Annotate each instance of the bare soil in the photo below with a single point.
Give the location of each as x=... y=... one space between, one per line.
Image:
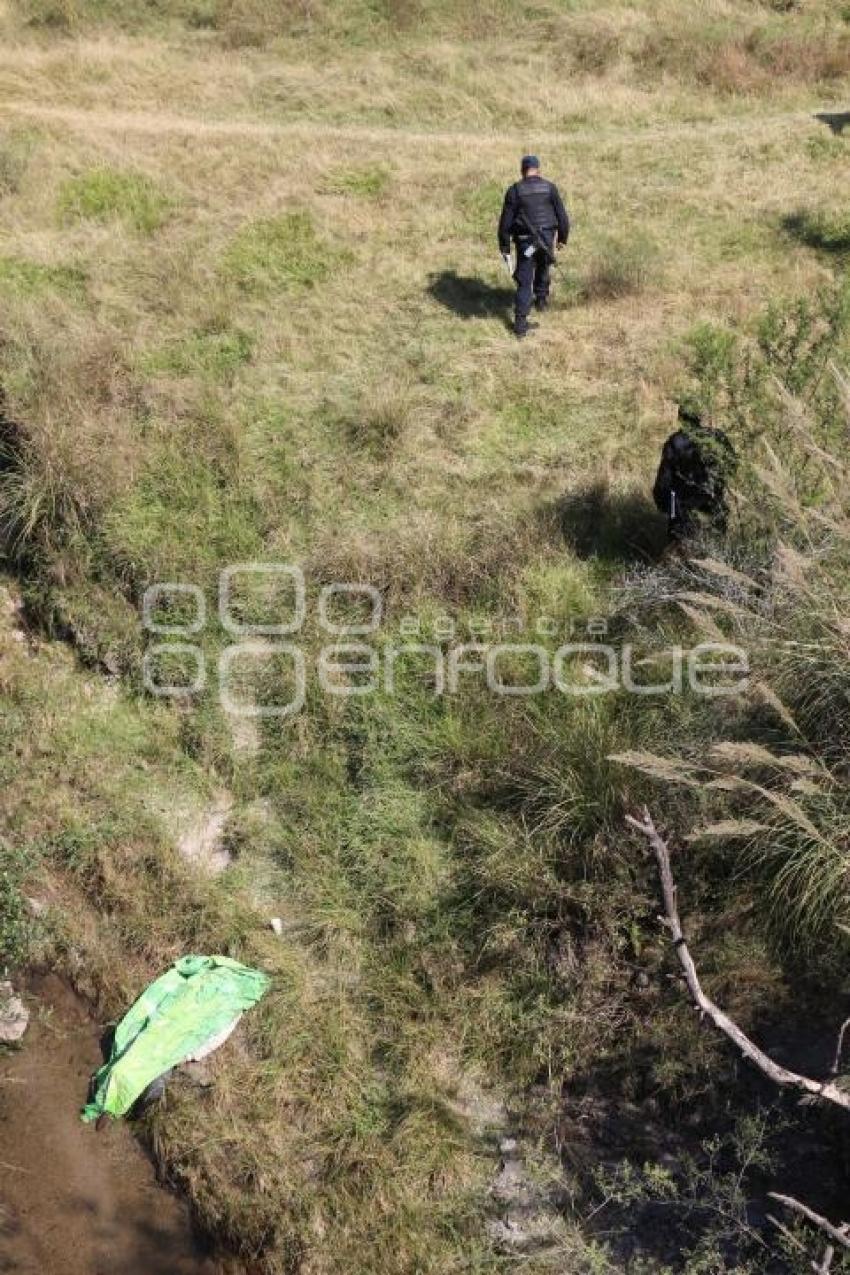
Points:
x=74 y=1201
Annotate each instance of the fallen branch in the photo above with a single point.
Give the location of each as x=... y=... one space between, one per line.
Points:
x=824 y=1266
x=838 y=1234
x=839 y=1048
x=826 y=1090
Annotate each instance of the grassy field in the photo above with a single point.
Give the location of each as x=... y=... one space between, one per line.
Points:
x=253 y=311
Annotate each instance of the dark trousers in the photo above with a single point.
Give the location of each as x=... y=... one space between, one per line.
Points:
x=532 y=277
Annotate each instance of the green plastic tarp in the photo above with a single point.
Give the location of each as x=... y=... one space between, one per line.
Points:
x=190 y=1005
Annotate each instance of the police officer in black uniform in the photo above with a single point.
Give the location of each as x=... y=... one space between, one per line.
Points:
x=535 y=218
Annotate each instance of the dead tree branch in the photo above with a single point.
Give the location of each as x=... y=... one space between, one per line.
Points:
x=837 y=1234
x=825 y=1265
x=826 y=1090
x=839 y=1048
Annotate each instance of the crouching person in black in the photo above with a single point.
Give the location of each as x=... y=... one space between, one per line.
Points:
x=696 y=462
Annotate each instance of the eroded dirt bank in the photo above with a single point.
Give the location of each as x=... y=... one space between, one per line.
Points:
x=72 y=1201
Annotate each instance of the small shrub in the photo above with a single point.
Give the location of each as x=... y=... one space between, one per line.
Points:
x=280 y=252
x=622 y=268
x=65 y=445
x=107 y=194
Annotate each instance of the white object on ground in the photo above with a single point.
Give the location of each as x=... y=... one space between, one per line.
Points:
x=14 y=1016
x=214 y=1042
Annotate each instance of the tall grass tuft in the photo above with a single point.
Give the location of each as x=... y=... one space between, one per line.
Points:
x=622 y=267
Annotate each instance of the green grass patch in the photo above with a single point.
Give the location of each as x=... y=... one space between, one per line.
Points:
x=28 y=277
x=281 y=252
x=219 y=521
x=218 y=354
x=480 y=207
x=111 y=194
x=366 y=183
x=16 y=924
x=823 y=147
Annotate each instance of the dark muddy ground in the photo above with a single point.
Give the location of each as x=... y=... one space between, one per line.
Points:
x=72 y=1201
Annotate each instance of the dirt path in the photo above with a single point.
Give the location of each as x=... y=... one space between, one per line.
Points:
x=72 y=1201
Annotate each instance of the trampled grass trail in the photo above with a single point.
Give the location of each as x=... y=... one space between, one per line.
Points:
x=752 y=122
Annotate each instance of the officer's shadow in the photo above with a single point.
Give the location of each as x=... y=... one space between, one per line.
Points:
x=619 y=527
x=836 y=121
x=470 y=298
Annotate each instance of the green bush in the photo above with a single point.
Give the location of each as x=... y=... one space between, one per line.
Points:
x=107 y=194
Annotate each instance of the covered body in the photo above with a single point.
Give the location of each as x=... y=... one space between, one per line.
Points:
x=181 y=1015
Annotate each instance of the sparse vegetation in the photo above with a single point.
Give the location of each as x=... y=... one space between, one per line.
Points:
x=253 y=311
